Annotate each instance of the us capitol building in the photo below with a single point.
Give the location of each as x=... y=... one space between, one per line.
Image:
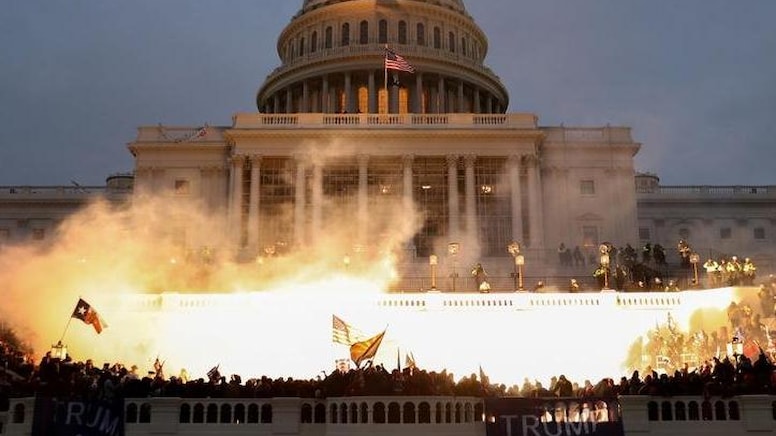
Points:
x=338 y=137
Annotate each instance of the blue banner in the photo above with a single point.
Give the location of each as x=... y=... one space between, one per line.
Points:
x=54 y=417
x=552 y=417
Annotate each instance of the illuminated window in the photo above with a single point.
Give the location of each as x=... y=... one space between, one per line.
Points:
x=587 y=187
x=725 y=233
x=182 y=187
x=758 y=233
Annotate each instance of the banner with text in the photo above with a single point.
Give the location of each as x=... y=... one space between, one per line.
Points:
x=54 y=417
x=552 y=417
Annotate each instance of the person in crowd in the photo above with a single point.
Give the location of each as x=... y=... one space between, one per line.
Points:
x=711 y=267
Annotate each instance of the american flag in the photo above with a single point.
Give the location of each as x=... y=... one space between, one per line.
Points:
x=396 y=62
x=343 y=333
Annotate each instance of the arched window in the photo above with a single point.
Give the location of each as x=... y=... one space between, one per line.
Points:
x=382 y=32
x=320 y=414
x=394 y=413
x=199 y=414
x=184 y=417
x=424 y=413
x=212 y=414
x=451 y=42
x=378 y=413
x=345 y=35
x=328 y=38
x=420 y=34
x=448 y=413
x=301 y=46
x=457 y=413
x=145 y=413
x=131 y=413
x=266 y=414
x=437 y=38
x=226 y=414
x=333 y=413
x=467 y=412
x=314 y=42
x=253 y=414
x=652 y=413
x=364 y=413
x=239 y=413
x=463 y=46
x=667 y=412
x=353 y=413
x=363 y=32
x=344 y=413
x=409 y=413
x=438 y=414
x=720 y=411
x=680 y=411
x=306 y=416
x=692 y=411
x=402 y=32
x=706 y=411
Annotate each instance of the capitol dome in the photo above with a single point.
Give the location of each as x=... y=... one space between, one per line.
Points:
x=332 y=60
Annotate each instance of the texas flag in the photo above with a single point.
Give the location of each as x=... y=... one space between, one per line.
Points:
x=88 y=315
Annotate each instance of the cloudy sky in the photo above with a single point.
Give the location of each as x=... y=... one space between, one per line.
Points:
x=694 y=79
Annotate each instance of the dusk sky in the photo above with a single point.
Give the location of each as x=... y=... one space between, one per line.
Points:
x=694 y=79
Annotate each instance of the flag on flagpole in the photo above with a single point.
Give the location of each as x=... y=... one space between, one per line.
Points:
x=86 y=313
x=367 y=349
x=340 y=331
x=396 y=62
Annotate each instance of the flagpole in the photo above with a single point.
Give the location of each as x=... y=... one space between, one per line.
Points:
x=65 y=332
x=385 y=82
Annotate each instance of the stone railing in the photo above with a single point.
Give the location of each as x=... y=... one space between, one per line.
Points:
x=710 y=191
x=366 y=121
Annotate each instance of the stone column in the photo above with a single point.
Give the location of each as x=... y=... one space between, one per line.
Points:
x=489 y=103
x=299 y=200
x=237 y=199
x=289 y=100
x=348 y=93
x=536 y=217
x=275 y=103
x=317 y=200
x=461 y=102
x=372 y=93
x=516 y=197
x=476 y=108
x=418 y=93
x=407 y=160
x=454 y=209
x=471 y=197
x=325 y=107
x=253 y=202
x=363 y=186
x=305 y=107
x=442 y=96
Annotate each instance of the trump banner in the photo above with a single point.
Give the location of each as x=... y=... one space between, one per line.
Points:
x=552 y=417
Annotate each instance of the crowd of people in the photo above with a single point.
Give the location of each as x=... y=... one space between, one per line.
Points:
x=649 y=269
x=19 y=377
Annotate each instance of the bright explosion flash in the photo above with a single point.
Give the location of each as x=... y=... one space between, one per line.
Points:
x=274 y=317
